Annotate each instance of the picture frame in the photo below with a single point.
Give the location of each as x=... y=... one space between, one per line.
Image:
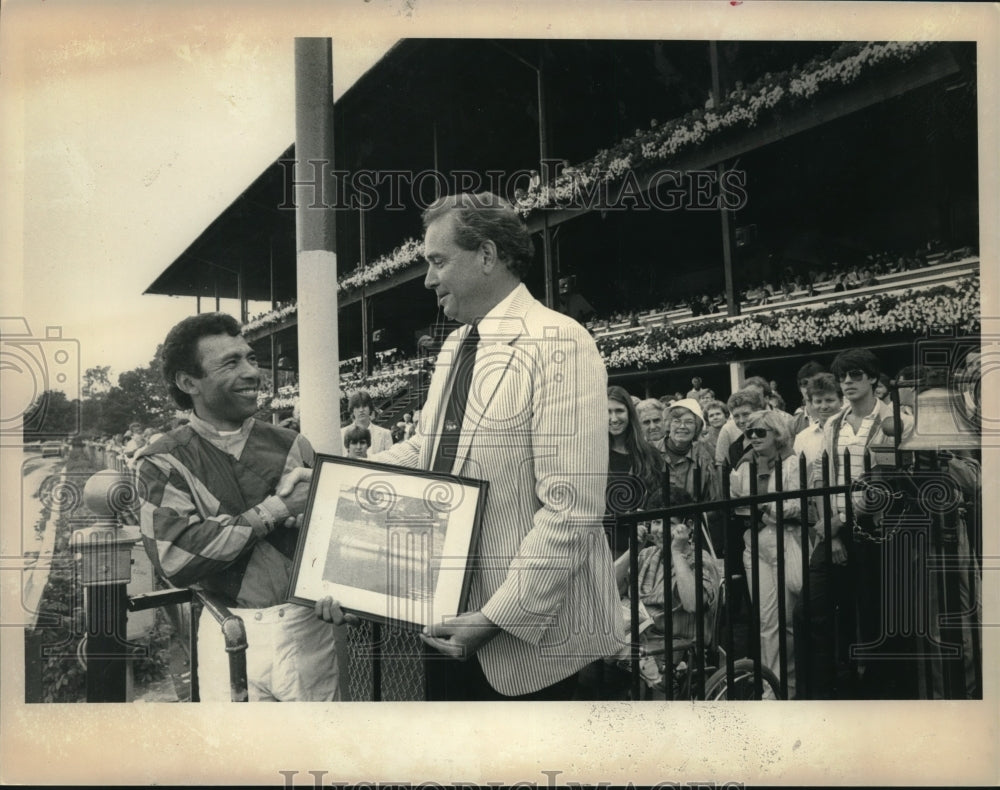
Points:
x=390 y=544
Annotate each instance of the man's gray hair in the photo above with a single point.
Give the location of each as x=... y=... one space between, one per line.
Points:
x=484 y=216
x=649 y=403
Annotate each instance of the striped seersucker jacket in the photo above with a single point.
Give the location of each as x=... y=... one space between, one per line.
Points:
x=535 y=427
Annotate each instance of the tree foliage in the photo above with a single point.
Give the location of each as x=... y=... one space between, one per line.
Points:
x=139 y=396
x=51 y=415
x=96 y=381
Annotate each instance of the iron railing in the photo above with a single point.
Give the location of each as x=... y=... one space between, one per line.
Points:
x=902 y=554
x=921 y=566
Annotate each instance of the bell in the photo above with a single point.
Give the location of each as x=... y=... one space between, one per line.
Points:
x=943 y=420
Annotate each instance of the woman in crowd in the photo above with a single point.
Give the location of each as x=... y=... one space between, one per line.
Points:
x=716 y=415
x=771 y=444
x=732 y=443
x=634 y=467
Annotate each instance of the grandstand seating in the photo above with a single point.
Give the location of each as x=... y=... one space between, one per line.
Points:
x=913 y=278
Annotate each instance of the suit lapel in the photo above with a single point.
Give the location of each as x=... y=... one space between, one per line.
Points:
x=498 y=334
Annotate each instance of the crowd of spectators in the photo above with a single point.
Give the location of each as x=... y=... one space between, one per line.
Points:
x=797 y=282
x=122 y=450
x=699 y=445
x=747 y=442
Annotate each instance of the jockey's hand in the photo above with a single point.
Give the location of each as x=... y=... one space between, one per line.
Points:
x=287 y=483
x=329 y=610
x=293 y=490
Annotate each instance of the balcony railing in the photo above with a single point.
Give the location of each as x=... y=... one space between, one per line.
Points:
x=679 y=316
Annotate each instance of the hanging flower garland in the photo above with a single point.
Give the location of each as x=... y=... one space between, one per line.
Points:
x=383 y=389
x=379 y=390
x=271 y=318
x=745 y=107
x=400 y=258
x=912 y=311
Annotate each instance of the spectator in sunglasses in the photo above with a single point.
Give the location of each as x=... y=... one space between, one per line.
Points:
x=771 y=444
x=731 y=433
x=856 y=431
x=858 y=428
x=742 y=404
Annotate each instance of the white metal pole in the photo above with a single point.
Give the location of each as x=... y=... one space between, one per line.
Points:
x=316 y=269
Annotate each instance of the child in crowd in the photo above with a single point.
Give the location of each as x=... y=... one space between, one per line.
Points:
x=357 y=441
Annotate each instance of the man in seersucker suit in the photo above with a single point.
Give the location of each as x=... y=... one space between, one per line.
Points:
x=543 y=601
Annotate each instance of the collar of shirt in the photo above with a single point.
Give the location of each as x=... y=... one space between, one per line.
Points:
x=676 y=455
x=501 y=324
x=870 y=416
x=232 y=443
x=766 y=465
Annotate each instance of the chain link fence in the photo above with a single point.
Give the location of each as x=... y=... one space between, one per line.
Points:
x=398 y=654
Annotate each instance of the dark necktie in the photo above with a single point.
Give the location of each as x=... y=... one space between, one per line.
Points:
x=454 y=411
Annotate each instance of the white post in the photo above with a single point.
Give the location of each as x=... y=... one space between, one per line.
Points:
x=737 y=374
x=316 y=266
x=316 y=269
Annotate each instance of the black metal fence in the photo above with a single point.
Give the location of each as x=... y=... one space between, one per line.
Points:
x=899 y=618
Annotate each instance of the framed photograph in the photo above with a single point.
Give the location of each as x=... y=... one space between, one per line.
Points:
x=390 y=544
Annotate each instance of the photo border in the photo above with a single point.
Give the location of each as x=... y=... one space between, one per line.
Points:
x=455 y=605
x=540 y=745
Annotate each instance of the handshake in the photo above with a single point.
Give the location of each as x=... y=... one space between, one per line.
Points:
x=293 y=490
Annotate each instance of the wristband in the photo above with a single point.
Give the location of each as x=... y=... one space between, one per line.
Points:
x=265 y=517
